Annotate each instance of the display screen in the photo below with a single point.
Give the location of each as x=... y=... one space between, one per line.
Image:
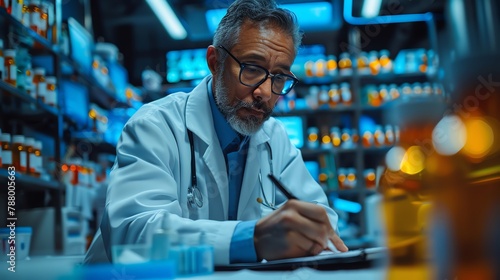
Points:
x=294 y=128
x=76 y=102
x=81 y=44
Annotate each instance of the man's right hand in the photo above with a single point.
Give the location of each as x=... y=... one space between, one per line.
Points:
x=296 y=229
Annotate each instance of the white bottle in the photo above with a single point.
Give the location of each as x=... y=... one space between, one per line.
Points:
x=204 y=256
x=160 y=245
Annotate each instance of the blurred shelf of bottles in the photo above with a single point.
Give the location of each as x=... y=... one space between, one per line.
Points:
x=326 y=83
x=313 y=66
x=341 y=179
x=24 y=154
x=348 y=138
x=41 y=67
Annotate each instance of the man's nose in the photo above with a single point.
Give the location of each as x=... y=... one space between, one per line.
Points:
x=264 y=92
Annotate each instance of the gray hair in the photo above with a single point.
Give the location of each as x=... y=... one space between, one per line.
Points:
x=261 y=12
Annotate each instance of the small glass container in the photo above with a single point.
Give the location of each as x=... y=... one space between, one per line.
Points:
x=51 y=92
x=6 y=150
x=10 y=67
x=19 y=153
x=40 y=84
x=29 y=145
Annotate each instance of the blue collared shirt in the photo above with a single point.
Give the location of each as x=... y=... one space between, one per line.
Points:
x=235 y=149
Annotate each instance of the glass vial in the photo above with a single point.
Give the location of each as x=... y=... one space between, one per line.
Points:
x=346 y=94
x=10 y=67
x=44 y=20
x=334 y=95
x=6 y=150
x=29 y=145
x=378 y=136
x=51 y=93
x=40 y=84
x=19 y=153
x=36 y=159
x=35 y=15
x=26 y=13
x=345 y=64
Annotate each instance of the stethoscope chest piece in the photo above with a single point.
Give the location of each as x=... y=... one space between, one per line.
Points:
x=194 y=197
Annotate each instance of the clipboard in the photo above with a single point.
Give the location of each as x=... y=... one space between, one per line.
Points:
x=355 y=259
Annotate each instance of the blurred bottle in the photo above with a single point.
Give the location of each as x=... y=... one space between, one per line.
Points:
x=363 y=64
x=385 y=62
x=331 y=65
x=346 y=94
x=334 y=95
x=407 y=199
x=345 y=64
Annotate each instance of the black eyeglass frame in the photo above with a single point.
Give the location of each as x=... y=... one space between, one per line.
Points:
x=268 y=74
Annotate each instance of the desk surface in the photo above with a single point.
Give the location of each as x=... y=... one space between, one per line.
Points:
x=58 y=267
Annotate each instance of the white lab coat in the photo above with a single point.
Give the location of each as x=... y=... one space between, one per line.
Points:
x=152 y=173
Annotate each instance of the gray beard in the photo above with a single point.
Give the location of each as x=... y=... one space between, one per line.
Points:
x=245 y=126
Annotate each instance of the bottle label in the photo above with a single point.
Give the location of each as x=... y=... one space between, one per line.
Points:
x=12 y=76
x=23 y=159
x=37 y=163
x=41 y=90
x=50 y=97
x=7 y=157
x=32 y=160
x=35 y=20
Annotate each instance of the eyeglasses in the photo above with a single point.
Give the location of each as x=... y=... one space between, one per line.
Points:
x=252 y=75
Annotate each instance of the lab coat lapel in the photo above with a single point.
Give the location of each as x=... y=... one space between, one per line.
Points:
x=200 y=122
x=248 y=208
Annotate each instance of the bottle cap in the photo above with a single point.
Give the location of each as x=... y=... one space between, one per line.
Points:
x=29 y=141
x=51 y=80
x=203 y=238
x=18 y=139
x=10 y=53
x=38 y=144
x=5 y=137
x=39 y=71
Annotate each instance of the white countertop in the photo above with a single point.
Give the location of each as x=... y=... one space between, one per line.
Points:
x=62 y=268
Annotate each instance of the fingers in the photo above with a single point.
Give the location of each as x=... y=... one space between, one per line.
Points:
x=338 y=243
x=311 y=211
x=297 y=229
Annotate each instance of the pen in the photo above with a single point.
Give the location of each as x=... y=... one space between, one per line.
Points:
x=289 y=195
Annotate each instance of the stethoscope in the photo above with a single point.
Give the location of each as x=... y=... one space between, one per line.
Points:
x=194 y=196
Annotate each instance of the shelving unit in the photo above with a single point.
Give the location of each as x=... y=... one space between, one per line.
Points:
x=20 y=113
x=358 y=157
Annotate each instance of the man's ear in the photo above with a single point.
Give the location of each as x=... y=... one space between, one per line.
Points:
x=212 y=59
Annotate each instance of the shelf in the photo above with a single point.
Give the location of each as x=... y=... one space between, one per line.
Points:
x=351 y=192
x=98 y=94
x=102 y=96
x=26 y=32
x=323 y=80
x=319 y=110
x=394 y=78
x=40 y=107
x=306 y=152
x=382 y=149
x=29 y=183
x=99 y=145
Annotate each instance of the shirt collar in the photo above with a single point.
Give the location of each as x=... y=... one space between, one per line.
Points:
x=226 y=134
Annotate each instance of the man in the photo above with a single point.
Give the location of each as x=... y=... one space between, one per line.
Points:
x=204 y=156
